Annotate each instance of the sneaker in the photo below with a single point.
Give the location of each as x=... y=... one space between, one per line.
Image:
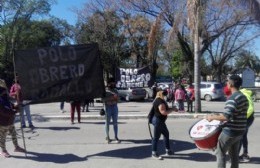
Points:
x=62 y=111
x=117 y=140
x=5 y=154
x=23 y=126
x=108 y=140
x=31 y=126
x=156 y=156
x=169 y=152
x=244 y=158
x=19 y=149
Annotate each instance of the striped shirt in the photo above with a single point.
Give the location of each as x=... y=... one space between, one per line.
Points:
x=235 y=111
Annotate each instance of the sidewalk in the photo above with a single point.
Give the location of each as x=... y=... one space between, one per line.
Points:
x=127 y=110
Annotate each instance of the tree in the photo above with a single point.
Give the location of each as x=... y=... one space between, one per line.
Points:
x=104 y=28
x=253 y=6
x=176 y=68
x=15 y=14
x=227 y=47
x=136 y=31
x=246 y=59
x=195 y=16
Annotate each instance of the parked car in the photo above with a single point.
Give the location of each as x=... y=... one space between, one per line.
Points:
x=257 y=82
x=132 y=93
x=211 y=90
x=164 y=85
x=149 y=93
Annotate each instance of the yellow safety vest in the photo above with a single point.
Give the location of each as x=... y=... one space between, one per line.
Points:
x=248 y=94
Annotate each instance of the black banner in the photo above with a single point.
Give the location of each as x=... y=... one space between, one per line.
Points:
x=134 y=77
x=60 y=73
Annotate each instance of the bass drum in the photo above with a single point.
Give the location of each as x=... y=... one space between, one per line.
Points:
x=205 y=134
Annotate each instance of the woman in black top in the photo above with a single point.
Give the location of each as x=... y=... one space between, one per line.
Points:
x=161 y=110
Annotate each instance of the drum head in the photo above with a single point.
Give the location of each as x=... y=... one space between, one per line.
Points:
x=203 y=129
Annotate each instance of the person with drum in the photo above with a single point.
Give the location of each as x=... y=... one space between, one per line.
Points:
x=161 y=110
x=235 y=122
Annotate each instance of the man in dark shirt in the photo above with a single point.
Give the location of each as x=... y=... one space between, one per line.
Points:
x=7 y=116
x=235 y=121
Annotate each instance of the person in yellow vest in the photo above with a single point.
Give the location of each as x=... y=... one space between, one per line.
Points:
x=250 y=119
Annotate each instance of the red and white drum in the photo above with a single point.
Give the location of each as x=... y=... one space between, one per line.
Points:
x=205 y=134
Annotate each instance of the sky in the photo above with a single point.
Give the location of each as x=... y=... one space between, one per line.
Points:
x=62 y=10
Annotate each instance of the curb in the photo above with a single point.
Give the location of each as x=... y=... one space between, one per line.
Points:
x=141 y=116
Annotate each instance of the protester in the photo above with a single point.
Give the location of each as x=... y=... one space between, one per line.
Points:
x=234 y=127
x=111 y=109
x=7 y=117
x=161 y=110
x=16 y=93
x=154 y=89
x=180 y=98
x=226 y=91
x=75 y=105
x=62 y=107
x=86 y=104
x=250 y=119
x=190 y=97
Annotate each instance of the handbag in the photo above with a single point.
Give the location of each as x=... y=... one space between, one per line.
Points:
x=102 y=112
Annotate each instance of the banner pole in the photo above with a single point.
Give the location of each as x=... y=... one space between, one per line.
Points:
x=19 y=103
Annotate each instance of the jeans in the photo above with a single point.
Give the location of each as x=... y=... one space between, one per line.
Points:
x=111 y=112
x=189 y=105
x=61 y=105
x=26 y=109
x=244 y=140
x=230 y=145
x=160 y=128
x=180 y=105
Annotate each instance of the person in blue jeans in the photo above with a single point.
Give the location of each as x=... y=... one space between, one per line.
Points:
x=235 y=123
x=16 y=93
x=161 y=110
x=110 y=101
x=27 y=111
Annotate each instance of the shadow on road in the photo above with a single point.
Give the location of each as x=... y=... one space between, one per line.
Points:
x=49 y=157
x=254 y=160
x=144 y=151
x=59 y=128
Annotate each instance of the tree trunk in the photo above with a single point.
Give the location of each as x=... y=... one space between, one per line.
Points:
x=197 y=56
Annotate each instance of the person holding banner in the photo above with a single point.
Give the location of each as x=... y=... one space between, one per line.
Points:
x=111 y=109
x=16 y=93
x=7 y=117
x=75 y=105
x=235 y=123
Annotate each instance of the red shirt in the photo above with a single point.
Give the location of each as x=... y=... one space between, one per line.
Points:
x=16 y=91
x=227 y=91
x=192 y=91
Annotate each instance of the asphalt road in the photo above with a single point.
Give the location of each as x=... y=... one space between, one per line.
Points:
x=56 y=143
